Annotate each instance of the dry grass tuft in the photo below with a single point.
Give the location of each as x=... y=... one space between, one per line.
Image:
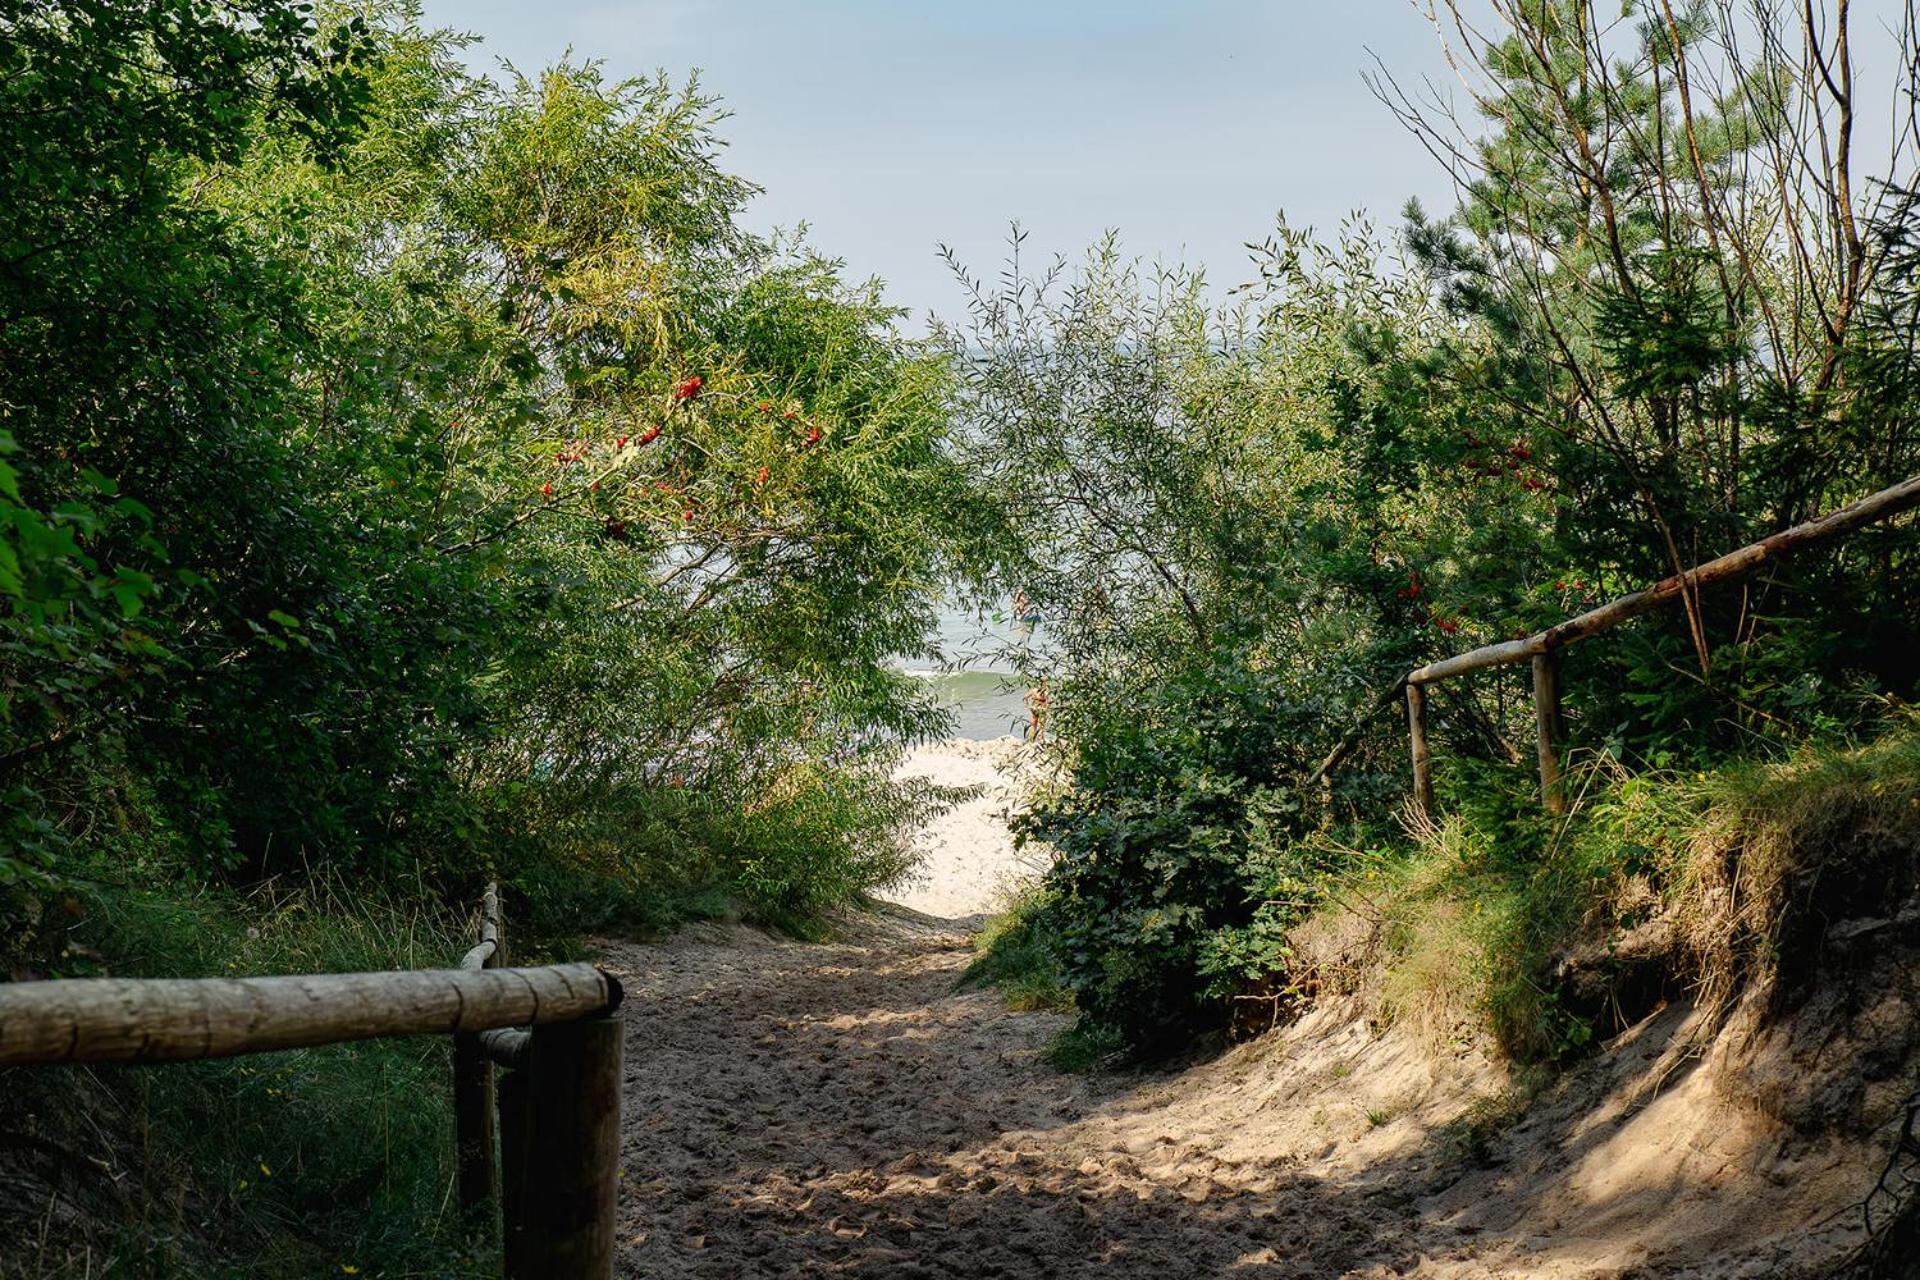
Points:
x=1781 y=851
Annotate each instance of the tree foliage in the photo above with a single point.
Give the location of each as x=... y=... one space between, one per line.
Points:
x=418 y=473
x=1670 y=315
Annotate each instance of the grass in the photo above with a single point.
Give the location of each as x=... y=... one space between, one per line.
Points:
x=641 y=862
x=1013 y=955
x=332 y=1161
x=1085 y=1047
x=1782 y=849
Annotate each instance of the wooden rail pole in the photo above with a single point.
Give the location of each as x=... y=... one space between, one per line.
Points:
x=473 y=1095
x=1422 y=766
x=1546 y=717
x=178 y=1019
x=571 y=1158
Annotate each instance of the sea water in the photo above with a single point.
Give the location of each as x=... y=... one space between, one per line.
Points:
x=975 y=676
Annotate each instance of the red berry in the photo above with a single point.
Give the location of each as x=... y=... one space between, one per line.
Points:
x=546 y=491
x=648 y=436
x=689 y=388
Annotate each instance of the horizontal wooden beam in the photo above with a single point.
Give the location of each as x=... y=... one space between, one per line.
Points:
x=1492 y=655
x=1888 y=502
x=506 y=1046
x=174 y=1019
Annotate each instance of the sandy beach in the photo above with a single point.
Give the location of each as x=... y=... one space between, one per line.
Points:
x=968 y=862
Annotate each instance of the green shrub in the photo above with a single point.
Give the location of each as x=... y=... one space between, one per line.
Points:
x=1174 y=853
x=816 y=839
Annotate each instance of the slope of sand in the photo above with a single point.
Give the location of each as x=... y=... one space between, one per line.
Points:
x=797 y=1109
x=968 y=864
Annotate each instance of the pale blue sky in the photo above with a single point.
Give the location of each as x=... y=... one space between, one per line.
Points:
x=895 y=125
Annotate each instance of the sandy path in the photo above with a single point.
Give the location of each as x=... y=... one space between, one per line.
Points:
x=840 y=1110
x=800 y=1109
x=797 y=1109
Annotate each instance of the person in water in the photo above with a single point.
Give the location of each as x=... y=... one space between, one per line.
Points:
x=1037 y=712
x=1025 y=616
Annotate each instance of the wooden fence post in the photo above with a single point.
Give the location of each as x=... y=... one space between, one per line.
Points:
x=1422 y=766
x=473 y=1125
x=1546 y=716
x=515 y=1138
x=563 y=1166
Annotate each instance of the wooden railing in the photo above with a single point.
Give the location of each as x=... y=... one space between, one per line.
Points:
x=558 y=1107
x=1542 y=649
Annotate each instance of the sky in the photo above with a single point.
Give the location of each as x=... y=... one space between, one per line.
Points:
x=893 y=127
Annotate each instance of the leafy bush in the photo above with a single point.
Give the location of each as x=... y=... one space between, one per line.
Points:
x=822 y=838
x=1168 y=849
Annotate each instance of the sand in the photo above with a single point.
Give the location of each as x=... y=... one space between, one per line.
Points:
x=841 y=1109
x=969 y=865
